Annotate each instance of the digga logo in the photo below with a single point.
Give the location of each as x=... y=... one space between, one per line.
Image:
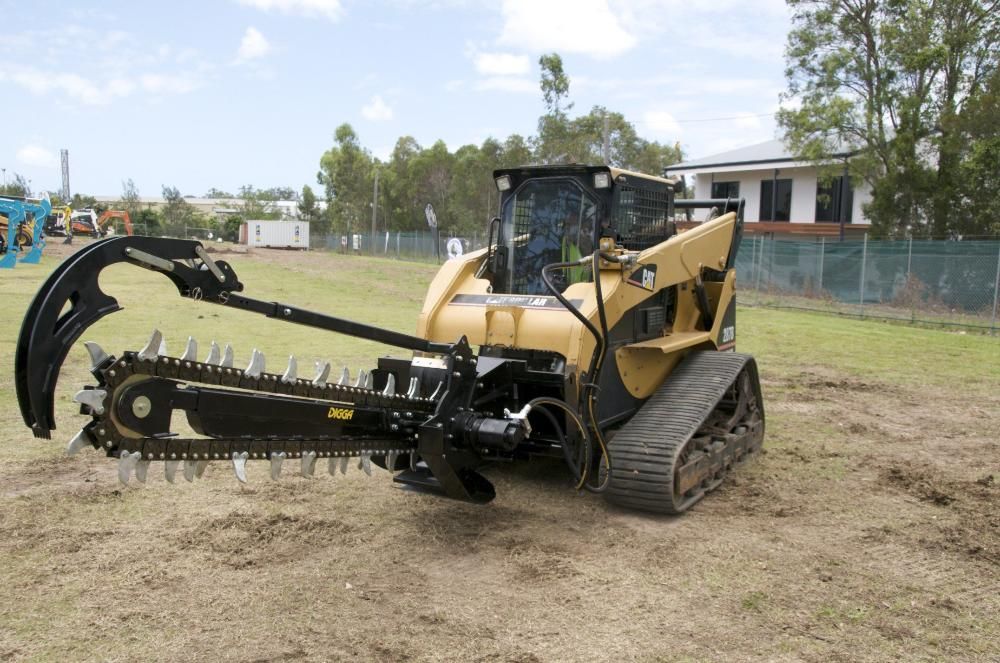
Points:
x=341 y=413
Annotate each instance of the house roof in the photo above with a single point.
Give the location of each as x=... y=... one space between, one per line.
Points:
x=769 y=153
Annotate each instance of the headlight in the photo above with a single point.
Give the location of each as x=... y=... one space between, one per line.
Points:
x=602 y=180
x=503 y=183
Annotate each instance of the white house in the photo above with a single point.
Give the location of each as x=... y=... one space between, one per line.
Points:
x=782 y=192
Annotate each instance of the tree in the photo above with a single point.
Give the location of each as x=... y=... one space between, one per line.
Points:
x=147 y=222
x=346 y=175
x=17 y=185
x=231 y=228
x=218 y=193
x=309 y=211
x=554 y=83
x=895 y=83
x=257 y=205
x=177 y=212
x=554 y=141
x=81 y=201
x=278 y=193
x=130 y=201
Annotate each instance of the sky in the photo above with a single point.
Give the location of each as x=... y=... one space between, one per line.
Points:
x=225 y=93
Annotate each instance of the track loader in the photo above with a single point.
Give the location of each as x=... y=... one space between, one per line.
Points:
x=589 y=330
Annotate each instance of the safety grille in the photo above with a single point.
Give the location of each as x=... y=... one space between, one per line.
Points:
x=642 y=216
x=524 y=208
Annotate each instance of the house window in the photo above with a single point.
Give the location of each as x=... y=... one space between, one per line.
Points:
x=725 y=189
x=828 y=201
x=775 y=200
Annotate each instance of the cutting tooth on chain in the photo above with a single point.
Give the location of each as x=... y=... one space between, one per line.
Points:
x=162 y=349
x=141 y=470
x=92 y=398
x=126 y=465
x=413 y=461
x=291 y=374
x=199 y=468
x=96 y=352
x=322 y=373
x=390 y=386
x=390 y=461
x=365 y=463
x=343 y=464
x=79 y=441
x=214 y=354
x=414 y=387
x=152 y=349
x=191 y=350
x=308 y=464
x=345 y=377
x=256 y=366
x=227 y=357
x=331 y=465
x=437 y=391
x=189 y=470
x=240 y=465
x=362 y=379
x=369 y=380
x=170 y=470
x=277 y=458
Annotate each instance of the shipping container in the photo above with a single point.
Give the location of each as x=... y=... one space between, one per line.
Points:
x=276 y=234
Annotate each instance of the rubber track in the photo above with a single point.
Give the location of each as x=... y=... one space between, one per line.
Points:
x=643 y=452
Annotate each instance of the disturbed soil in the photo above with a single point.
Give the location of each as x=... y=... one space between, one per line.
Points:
x=869 y=529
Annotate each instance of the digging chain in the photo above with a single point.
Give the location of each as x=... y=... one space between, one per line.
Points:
x=399 y=415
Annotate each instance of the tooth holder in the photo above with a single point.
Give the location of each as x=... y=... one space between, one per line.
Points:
x=449 y=441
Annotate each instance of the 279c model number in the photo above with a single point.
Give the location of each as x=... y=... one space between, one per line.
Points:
x=728 y=334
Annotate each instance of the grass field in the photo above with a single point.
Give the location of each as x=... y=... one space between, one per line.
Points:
x=868 y=530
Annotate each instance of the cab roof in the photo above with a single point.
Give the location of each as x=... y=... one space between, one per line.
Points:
x=579 y=168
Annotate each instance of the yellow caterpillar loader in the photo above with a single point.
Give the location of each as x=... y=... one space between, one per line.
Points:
x=589 y=330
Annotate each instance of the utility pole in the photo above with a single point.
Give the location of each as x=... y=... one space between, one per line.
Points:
x=4 y=177
x=374 y=210
x=607 y=139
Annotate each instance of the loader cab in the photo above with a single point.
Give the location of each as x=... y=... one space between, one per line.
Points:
x=552 y=214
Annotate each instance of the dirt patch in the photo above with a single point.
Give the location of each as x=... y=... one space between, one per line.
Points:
x=245 y=540
x=919 y=483
x=975 y=528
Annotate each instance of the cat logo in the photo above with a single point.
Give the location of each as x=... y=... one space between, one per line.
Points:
x=341 y=413
x=644 y=277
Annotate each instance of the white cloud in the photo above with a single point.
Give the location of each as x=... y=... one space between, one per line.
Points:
x=377 y=110
x=507 y=84
x=566 y=26
x=168 y=84
x=661 y=123
x=502 y=64
x=35 y=155
x=73 y=86
x=73 y=77
x=254 y=45
x=330 y=9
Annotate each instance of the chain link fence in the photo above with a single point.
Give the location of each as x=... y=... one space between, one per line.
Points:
x=420 y=246
x=918 y=281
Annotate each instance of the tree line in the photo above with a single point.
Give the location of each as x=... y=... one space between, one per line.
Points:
x=460 y=184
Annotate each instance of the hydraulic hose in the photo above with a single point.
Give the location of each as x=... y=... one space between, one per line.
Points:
x=579 y=470
x=596 y=361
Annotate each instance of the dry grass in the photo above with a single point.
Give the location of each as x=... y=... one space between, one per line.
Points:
x=869 y=530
